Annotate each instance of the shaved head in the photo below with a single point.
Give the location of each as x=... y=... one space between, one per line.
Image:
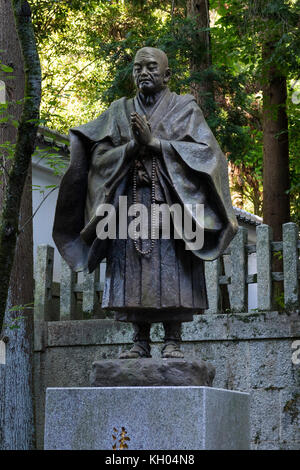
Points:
x=157 y=53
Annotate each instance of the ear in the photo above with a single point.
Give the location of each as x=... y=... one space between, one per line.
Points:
x=167 y=76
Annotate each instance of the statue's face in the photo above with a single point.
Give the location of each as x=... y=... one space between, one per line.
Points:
x=150 y=71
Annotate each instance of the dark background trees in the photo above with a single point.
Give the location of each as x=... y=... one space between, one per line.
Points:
x=239 y=58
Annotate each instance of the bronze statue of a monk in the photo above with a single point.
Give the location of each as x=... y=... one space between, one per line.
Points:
x=155 y=148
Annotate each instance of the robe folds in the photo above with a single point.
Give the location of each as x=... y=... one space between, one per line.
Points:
x=169 y=283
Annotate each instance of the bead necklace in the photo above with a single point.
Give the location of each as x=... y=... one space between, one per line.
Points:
x=153 y=207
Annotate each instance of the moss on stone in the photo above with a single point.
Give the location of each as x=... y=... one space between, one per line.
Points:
x=292 y=407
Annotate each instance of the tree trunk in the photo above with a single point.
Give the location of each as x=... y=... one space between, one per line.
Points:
x=16 y=384
x=276 y=178
x=202 y=89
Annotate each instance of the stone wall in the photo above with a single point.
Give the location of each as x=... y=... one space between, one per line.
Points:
x=251 y=352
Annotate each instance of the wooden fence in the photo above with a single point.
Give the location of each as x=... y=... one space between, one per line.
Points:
x=235 y=277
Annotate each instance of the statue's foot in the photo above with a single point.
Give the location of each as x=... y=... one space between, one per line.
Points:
x=172 y=350
x=135 y=352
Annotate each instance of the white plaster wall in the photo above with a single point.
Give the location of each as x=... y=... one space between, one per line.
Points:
x=252 y=267
x=43 y=220
x=252 y=288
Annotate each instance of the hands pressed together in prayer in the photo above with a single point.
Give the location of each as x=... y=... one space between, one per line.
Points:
x=141 y=129
x=142 y=132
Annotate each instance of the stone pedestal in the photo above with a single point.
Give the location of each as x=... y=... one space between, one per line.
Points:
x=151 y=418
x=151 y=373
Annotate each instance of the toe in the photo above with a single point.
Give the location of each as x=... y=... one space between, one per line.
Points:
x=129 y=355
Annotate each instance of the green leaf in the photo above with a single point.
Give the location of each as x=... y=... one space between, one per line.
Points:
x=6 y=68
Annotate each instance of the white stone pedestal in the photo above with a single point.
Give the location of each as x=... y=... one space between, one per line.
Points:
x=154 y=418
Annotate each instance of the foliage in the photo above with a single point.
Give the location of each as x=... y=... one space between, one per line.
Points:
x=87 y=48
x=254 y=25
x=15 y=322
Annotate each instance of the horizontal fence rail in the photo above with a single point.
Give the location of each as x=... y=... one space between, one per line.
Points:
x=230 y=272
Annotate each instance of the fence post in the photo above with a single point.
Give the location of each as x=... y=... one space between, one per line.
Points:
x=239 y=271
x=67 y=294
x=264 y=267
x=212 y=274
x=89 y=294
x=290 y=265
x=43 y=282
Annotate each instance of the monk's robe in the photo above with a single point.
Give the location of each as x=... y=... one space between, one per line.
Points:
x=167 y=284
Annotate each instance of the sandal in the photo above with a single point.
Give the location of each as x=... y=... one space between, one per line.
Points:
x=172 y=350
x=135 y=352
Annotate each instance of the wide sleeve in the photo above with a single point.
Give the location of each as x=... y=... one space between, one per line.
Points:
x=100 y=157
x=198 y=171
x=70 y=207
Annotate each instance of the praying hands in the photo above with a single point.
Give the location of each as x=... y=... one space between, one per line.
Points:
x=142 y=132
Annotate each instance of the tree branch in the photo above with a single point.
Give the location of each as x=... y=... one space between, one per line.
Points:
x=36 y=210
x=26 y=136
